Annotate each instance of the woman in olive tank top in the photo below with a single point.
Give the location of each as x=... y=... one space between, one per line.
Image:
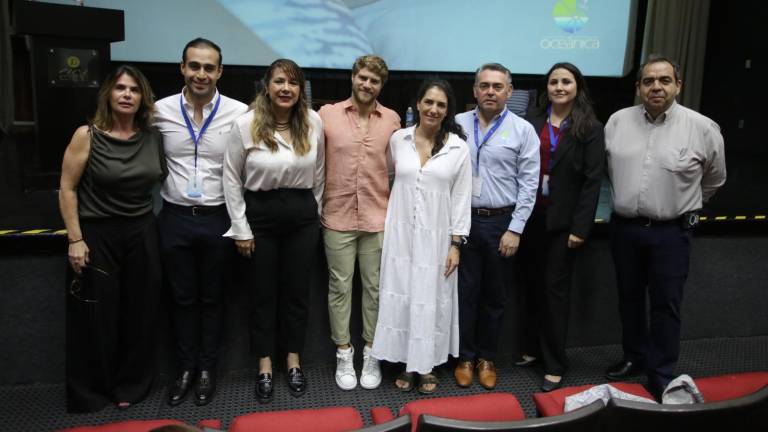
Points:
x=109 y=170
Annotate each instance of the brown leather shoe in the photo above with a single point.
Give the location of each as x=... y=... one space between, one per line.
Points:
x=463 y=373
x=486 y=372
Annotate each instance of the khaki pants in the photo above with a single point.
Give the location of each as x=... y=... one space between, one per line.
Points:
x=341 y=249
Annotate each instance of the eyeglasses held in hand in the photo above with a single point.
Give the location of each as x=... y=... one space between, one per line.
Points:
x=76 y=286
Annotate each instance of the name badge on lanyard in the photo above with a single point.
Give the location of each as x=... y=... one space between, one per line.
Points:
x=195 y=183
x=477 y=181
x=554 y=139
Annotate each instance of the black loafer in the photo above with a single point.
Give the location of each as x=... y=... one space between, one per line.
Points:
x=623 y=370
x=297 y=382
x=548 y=386
x=206 y=386
x=264 y=388
x=178 y=390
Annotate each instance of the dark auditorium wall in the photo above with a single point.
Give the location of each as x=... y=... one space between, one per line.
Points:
x=724 y=297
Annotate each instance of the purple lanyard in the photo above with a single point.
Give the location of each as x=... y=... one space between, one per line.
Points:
x=479 y=144
x=553 y=138
x=196 y=138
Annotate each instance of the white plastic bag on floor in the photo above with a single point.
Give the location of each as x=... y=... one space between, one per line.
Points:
x=681 y=390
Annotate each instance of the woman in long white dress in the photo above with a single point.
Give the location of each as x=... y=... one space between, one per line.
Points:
x=427 y=216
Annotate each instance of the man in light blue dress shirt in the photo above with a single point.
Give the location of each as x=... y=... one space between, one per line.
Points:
x=505 y=171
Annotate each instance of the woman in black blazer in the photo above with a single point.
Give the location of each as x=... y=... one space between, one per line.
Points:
x=572 y=161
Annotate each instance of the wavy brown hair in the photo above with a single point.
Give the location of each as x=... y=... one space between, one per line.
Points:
x=142 y=120
x=263 y=126
x=374 y=63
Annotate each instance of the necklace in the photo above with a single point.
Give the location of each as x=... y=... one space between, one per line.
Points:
x=282 y=126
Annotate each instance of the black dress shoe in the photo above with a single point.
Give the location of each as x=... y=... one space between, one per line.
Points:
x=206 y=386
x=623 y=370
x=264 y=388
x=297 y=382
x=548 y=386
x=178 y=390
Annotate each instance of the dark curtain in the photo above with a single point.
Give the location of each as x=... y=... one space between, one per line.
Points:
x=6 y=70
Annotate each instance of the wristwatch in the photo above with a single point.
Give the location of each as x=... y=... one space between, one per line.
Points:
x=456 y=243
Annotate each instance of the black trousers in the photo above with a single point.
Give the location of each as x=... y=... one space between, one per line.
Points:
x=111 y=314
x=286 y=231
x=196 y=261
x=651 y=262
x=545 y=266
x=484 y=276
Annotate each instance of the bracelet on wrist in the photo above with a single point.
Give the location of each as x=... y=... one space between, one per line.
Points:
x=76 y=241
x=456 y=243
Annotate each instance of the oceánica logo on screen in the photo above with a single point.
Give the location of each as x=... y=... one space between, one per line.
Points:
x=570 y=16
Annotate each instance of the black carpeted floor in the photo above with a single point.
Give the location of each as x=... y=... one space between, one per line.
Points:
x=39 y=407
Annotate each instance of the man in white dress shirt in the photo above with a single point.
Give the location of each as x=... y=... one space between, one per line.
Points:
x=665 y=162
x=195 y=125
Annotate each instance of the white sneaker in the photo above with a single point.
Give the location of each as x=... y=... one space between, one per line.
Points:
x=346 y=378
x=370 y=378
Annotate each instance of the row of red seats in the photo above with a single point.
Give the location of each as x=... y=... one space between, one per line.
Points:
x=459 y=412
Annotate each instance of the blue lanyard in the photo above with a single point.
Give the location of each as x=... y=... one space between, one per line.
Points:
x=479 y=144
x=553 y=139
x=196 y=139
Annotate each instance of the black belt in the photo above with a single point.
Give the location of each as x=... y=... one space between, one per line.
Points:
x=488 y=212
x=644 y=221
x=193 y=210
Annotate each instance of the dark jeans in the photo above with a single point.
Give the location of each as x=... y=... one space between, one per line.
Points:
x=484 y=276
x=111 y=315
x=196 y=259
x=286 y=231
x=652 y=260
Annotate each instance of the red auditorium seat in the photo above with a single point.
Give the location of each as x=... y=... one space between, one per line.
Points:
x=335 y=419
x=483 y=407
x=552 y=403
x=714 y=389
x=125 y=426
x=731 y=386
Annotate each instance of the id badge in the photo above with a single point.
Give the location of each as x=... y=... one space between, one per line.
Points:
x=545 y=185
x=195 y=186
x=477 y=186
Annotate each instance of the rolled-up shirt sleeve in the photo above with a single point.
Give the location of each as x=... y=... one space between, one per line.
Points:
x=527 y=180
x=233 y=175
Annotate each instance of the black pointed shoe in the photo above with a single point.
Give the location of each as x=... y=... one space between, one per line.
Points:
x=297 y=382
x=548 y=386
x=264 y=388
x=623 y=370
x=179 y=389
x=206 y=386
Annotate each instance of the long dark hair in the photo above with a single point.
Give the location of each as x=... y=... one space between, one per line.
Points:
x=263 y=126
x=582 y=118
x=449 y=124
x=142 y=120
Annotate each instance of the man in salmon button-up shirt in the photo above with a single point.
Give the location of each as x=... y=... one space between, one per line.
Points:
x=357 y=133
